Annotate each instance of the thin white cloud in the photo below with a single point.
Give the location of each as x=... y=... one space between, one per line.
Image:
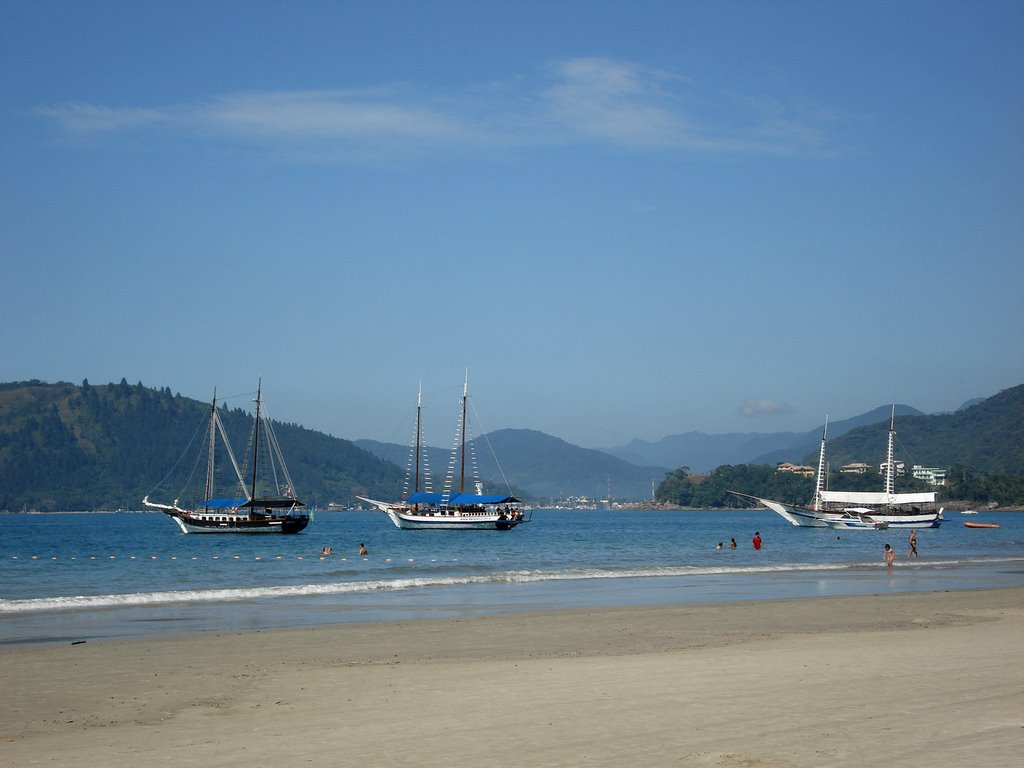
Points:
x=617 y=102
x=595 y=100
x=327 y=114
x=90 y=118
x=625 y=104
x=763 y=407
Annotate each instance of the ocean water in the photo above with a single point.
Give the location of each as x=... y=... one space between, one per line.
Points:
x=82 y=576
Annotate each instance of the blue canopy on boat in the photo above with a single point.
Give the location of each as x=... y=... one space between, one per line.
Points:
x=459 y=499
x=224 y=503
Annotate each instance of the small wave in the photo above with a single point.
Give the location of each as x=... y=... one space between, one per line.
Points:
x=142 y=599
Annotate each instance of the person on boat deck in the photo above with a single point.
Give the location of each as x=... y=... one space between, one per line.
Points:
x=890 y=556
x=363 y=550
x=912 y=540
x=756 y=541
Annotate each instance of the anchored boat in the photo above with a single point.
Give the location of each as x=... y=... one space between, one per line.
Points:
x=450 y=509
x=860 y=509
x=265 y=501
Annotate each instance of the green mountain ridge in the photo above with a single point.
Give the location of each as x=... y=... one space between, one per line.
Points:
x=65 y=447
x=987 y=437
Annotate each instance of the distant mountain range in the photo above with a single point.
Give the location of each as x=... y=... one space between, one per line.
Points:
x=538 y=466
x=984 y=433
x=68 y=447
x=702 y=452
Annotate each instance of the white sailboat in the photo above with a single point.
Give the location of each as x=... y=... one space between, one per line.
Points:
x=267 y=504
x=450 y=509
x=860 y=509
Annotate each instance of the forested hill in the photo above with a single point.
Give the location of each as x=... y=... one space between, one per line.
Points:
x=986 y=437
x=68 y=447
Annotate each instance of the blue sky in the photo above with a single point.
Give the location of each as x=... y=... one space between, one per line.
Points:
x=625 y=219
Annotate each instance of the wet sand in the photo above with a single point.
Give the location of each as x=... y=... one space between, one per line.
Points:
x=886 y=680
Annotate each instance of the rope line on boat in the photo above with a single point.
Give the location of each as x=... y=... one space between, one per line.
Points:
x=494 y=455
x=188 y=450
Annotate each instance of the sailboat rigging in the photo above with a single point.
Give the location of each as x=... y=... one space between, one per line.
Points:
x=267 y=504
x=860 y=509
x=450 y=509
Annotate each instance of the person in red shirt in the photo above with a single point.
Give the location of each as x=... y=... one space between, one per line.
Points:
x=757 y=540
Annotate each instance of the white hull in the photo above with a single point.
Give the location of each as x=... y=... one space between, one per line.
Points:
x=810 y=518
x=931 y=520
x=452 y=520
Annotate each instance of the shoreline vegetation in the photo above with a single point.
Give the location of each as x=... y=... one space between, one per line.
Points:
x=894 y=680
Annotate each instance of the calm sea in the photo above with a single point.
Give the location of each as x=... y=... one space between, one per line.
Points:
x=82 y=576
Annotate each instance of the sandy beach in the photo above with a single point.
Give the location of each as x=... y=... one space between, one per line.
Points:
x=888 y=680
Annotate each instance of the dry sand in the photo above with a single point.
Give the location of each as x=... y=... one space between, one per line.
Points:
x=926 y=679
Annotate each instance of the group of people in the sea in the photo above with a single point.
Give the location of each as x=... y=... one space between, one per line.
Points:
x=326 y=551
x=755 y=542
x=889 y=553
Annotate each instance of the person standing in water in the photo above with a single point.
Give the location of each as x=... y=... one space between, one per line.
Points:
x=890 y=556
x=756 y=541
x=912 y=541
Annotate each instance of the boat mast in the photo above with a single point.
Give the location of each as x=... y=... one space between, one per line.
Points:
x=462 y=466
x=890 y=469
x=419 y=405
x=211 y=456
x=256 y=439
x=820 y=485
